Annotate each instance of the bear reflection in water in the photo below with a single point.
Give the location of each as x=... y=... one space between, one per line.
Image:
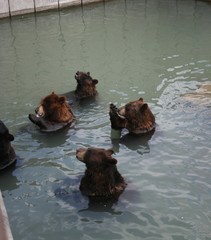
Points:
x=9 y=177
x=134 y=142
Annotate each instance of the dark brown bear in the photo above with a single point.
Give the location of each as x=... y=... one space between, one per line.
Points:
x=7 y=153
x=86 y=85
x=135 y=116
x=53 y=113
x=101 y=178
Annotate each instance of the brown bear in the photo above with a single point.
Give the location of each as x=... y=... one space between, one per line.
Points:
x=86 y=85
x=7 y=153
x=101 y=178
x=135 y=116
x=53 y=113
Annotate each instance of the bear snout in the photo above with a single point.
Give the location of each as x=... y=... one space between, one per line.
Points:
x=121 y=113
x=80 y=153
x=77 y=75
x=40 y=111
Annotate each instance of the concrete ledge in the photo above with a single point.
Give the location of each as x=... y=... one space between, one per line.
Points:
x=5 y=231
x=19 y=7
x=68 y=3
x=89 y=1
x=42 y=5
x=4 y=9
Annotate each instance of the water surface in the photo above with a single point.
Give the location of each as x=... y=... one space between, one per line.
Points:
x=159 y=50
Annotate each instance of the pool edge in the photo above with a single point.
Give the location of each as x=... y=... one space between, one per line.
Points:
x=5 y=230
x=9 y=8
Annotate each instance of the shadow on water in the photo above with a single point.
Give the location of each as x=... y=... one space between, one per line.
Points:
x=70 y=194
x=53 y=139
x=7 y=179
x=139 y=143
x=102 y=205
x=115 y=206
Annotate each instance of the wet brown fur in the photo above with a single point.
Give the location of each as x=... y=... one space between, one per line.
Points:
x=138 y=117
x=101 y=178
x=55 y=109
x=86 y=85
x=6 y=150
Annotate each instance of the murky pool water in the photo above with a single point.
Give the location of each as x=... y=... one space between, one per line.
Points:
x=159 y=50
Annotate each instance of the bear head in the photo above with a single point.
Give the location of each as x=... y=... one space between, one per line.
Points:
x=7 y=154
x=53 y=113
x=135 y=116
x=86 y=85
x=101 y=178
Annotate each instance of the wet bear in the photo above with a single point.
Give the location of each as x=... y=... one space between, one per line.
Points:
x=53 y=113
x=135 y=116
x=101 y=178
x=86 y=85
x=7 y=153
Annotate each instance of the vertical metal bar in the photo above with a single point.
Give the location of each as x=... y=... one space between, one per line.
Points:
x=9 y=8
x=34 y=6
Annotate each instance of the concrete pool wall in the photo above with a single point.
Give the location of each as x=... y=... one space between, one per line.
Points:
x=5 y=232
x=10 y=8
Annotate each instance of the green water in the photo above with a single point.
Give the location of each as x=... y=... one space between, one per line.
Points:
x=157 y=49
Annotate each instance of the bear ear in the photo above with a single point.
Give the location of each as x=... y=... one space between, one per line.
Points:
x=10 y=137
x=109 y=152
x=111 y=160
x=144 y=107
x=88 y=73
x=62 y=100
x=141 y=99
x=95 y=81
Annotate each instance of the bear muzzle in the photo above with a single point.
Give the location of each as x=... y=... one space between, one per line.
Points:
x=80 y=153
